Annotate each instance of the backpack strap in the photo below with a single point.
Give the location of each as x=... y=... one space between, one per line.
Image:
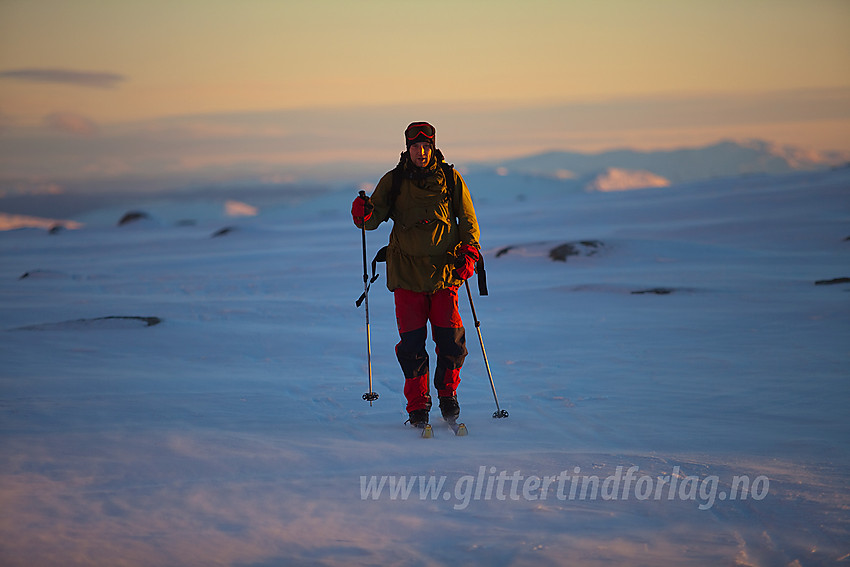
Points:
x=449 y=172
x=398 y=175
x=451 y=183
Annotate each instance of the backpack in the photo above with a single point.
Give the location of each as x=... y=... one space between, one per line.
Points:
x=395 y=189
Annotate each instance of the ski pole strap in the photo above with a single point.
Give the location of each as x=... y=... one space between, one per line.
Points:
x=381 y=256
x=482 y=275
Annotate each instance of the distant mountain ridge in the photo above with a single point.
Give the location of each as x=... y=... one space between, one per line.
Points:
x=723 y=159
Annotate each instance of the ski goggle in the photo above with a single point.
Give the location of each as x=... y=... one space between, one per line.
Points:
x=420 y=129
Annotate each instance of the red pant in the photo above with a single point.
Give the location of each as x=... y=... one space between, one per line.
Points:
x=413 y=311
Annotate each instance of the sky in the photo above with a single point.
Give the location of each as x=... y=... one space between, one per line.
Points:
x=100 y=88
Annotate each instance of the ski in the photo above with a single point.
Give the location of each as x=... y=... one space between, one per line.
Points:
x=459 y=429
x=427 y=431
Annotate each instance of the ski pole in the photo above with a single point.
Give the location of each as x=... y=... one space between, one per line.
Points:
x=369 y=396
x=499 y=413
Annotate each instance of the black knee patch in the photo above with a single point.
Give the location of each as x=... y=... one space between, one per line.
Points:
x=411 y=353
x=451 y=346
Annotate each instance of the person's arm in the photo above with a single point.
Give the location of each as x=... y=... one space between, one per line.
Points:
x=380 y=204
x=467 y=253
x=375 y=208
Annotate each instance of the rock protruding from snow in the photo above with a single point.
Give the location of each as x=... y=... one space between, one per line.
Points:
x=44 y=274
x=223 y=231
x=582 y=248
x=132 y=216
x=111 y=322
x=558 y=253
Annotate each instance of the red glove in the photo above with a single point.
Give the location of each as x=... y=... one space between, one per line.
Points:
x=361 y=210
x=465 y=263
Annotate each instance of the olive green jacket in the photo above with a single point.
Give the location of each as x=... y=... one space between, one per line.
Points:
x=429 y=225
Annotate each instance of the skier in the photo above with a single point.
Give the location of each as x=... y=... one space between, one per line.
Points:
x=433 y=249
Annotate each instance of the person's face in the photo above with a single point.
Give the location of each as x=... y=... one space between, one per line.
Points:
x=420 y=154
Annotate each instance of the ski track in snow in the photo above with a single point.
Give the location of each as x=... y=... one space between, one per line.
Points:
x=233 y=431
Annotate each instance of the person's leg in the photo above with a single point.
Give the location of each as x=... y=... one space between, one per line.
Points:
x=412 y=316
x=450 y=338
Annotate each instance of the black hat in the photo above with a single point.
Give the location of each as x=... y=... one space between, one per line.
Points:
x=420 y=132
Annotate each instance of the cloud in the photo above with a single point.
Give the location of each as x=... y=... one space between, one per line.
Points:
x=93 y=79
x=71 y=123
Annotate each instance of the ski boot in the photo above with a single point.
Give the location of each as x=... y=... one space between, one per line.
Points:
x=449 y=408
x=418 y=418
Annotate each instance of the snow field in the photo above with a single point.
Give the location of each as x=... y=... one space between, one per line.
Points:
x=233 y=432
